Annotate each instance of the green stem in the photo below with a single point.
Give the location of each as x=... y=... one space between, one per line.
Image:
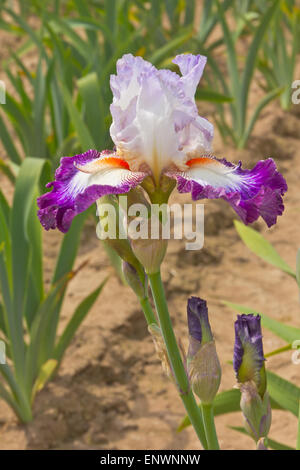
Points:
x=178 y=369
x=298 y=437
x=209 y=425
x=148 y=312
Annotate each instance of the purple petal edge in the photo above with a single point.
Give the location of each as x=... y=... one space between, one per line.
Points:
x=247 y=330
x=57 y=208
x=264 y=199
x=197 y=316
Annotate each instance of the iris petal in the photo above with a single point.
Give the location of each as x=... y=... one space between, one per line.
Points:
x=251 y=193
x=155 y=117
x=79 y=182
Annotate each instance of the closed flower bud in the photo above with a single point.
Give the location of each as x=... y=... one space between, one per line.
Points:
x=110 y=230
x=135 y=196
x=248 y=358
x=138 y=282
x=150 y=252
x=256 y=411
x=203 y=365
x=248 y=363
x=261 y=445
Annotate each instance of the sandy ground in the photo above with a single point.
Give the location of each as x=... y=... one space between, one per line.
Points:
x=110 y=392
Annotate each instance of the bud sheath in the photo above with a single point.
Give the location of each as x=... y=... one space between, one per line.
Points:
x=203 y=364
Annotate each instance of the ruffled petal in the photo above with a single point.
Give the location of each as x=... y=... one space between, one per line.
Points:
x=248 y=348
x=191 y=67
x=251 y=193
x=143 y=127
x=79 y=182
x=155 y=117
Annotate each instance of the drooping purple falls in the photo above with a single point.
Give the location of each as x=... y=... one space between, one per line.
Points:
x=248 y=358
x=157 y=132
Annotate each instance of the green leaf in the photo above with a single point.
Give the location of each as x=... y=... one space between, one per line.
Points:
x=5 y=168
x=285 y=332
x=85 y=139
x=17 y=399
x=8 y=143
x=277 y=351
x=261 y=247
x=76 y=320
x=23 y=205
x=231 y=53
x=39 y=112
x=225 y=402
x=7 y=397
x=278 y=445
x=45 y=373
x=6 y=263
x=93 y=107
x=20 y=120
x=5 y=208
x=37 y=352
x=35 y=289
x=2 y=322
x=251 y=58
x=166 y=50
x=64 y=266
x=69 y=247
x=264 y=102
x=298 y=435
x=206 y=94
x=270 y=442
x=285 y=393
x=298 y=268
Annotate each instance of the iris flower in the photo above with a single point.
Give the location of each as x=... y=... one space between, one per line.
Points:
x=159 y=135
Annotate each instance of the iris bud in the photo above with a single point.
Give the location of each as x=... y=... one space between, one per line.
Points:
x=149 y=252
x=248 y=363
x=248 y=358
x=202 y=360
x=109 y=219
x=138 y=282
x=256 y=411
x=261 y=445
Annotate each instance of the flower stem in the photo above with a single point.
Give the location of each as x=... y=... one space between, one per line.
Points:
x=298 y=437
x=209 y=425
x=148 y=312
x=178 y=369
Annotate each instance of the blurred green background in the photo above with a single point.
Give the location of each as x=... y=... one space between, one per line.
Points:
x=56 y=59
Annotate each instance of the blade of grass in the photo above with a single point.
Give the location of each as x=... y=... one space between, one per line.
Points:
x=261 y=105
x=270 y=442
x=84 y=135
x=25 y=192
x=262 y=247
x=251 y=60
x=93 y=107
x=75 y=321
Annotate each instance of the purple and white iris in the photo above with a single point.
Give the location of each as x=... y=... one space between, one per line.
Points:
x=157 y=132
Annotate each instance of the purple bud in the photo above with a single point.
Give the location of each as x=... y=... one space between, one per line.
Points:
x=204 y=368
x=248 y=358
x=198 y=324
